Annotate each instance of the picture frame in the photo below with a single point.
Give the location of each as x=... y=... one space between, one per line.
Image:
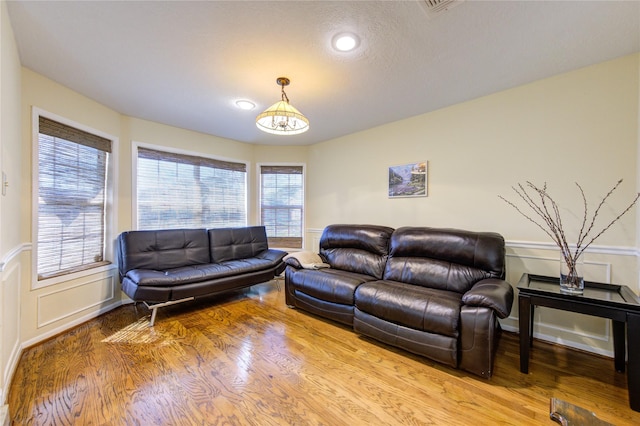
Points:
x=408 y=180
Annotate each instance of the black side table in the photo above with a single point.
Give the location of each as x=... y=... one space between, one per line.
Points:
x=616 y=302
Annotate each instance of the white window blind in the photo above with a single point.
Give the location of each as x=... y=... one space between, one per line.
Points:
x=72 y=179
x=281 y=204
x=185 y=191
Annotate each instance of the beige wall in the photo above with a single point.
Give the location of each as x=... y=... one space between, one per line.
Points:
x=10 y=137
x=576 y=127
x=10 y=213
x=580 y=126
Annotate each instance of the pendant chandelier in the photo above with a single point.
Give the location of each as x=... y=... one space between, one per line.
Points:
x=282 y=118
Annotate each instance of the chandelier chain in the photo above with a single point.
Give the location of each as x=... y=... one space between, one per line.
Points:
x=284 y=95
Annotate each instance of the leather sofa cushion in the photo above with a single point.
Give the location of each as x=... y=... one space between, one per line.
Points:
x=420 y=308
x=163 y=249
x=237 y=243
x=361 y=249
x=445 y=259
x=196 y=273
x=432 y=273
x=438 y=347
x=330 y=285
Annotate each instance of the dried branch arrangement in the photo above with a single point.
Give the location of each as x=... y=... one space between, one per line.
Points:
x=548 y=218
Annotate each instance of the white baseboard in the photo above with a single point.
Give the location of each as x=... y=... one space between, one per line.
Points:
x=562 y=342
x=4 y=415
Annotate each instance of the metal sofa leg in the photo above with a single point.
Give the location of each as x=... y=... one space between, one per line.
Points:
x=154 y=307
x=278 y=279
x=154 y=311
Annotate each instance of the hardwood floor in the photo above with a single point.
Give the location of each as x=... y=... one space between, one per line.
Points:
x=247 y=359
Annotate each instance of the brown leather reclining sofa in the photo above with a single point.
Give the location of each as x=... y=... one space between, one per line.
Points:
x=434 y=292
x=170 y=266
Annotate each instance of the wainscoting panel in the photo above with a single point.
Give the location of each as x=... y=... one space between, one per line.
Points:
x=313 y=236
x=584 y=332
x=60 y=304
x=9 y=322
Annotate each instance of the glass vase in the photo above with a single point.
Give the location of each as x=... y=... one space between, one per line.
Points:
x=571 y=275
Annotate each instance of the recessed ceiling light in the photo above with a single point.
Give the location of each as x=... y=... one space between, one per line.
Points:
x=244 y=104
x=345 y=42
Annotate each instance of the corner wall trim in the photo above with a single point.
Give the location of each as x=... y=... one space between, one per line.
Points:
x=13 y=253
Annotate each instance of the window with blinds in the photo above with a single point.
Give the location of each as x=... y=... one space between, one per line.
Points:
x=185 y=191
x=281 y=204
x=72 y=183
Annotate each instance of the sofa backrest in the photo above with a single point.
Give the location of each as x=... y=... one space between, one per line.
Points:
x=237 y=243
x=447 y=259
x=162 y=249
x=356 y=248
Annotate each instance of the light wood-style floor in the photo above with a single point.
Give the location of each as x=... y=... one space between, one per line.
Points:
x=247 y=359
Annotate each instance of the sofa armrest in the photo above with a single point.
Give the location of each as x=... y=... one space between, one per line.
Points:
x=293 y=262
x=273 y=255
x=491 y=293
x=306 y=260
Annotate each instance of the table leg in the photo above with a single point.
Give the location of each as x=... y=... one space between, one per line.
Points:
x=633 y=360
x=619 y=348
x=525 y=324
x=532 y=309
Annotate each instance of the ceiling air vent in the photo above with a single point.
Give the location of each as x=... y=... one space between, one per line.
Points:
x=437 y=7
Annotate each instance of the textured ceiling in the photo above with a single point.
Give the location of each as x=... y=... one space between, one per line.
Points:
x=185 y=63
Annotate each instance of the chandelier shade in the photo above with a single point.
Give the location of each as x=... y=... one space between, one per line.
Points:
x=282 y=118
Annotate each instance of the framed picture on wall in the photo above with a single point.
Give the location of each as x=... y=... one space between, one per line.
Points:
x=408 y=180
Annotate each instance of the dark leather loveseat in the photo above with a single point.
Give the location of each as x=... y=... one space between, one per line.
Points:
x=434 y=292
x=164 y=267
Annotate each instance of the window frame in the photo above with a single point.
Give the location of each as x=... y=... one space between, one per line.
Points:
x=110 y=215
x=134 y=174
x=304 y=197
